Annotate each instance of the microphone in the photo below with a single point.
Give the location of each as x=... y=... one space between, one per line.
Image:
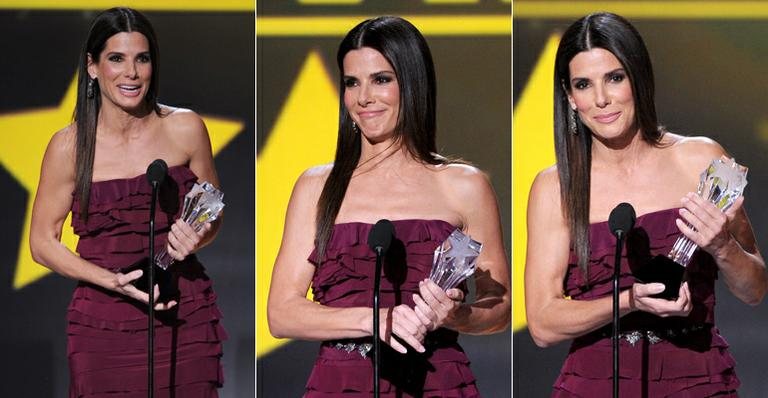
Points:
x=622 y=219
x=379 y=240
x=380 y=236
x=157 y=171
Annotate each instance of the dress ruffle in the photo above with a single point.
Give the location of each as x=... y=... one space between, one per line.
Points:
x=347 y=270
x=115 y=233
x=107 y=332
x=344 y=278
x=695 y=365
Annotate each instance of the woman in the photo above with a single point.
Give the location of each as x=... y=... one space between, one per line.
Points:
x=610 y=149
x=386 y=166
x=94 y=168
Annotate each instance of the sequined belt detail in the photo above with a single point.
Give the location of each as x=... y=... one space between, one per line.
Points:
x=348 y=346
x=658 y=335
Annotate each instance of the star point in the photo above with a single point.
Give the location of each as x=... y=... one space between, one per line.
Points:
x=303 y=135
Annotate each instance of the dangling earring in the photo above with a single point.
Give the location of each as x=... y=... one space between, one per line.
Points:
x=89 y=88
x=355 y=128
x=572 y=126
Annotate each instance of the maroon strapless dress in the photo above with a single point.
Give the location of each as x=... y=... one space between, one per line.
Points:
x=689 y=358
x=107 y=332
x=345 y=279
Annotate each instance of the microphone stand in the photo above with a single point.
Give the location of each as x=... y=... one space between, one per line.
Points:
x=615 y=334
x=151 y=292
x=376 y=333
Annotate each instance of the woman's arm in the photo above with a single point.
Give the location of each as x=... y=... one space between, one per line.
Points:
x=291 y=315
x=475 y=201
x=551 y=317
x=52 y=204
x=728 y=236
x=191 y=134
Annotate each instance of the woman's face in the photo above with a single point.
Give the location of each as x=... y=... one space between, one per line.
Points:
x=371 y=93
x=123 y=70
x=601 y=93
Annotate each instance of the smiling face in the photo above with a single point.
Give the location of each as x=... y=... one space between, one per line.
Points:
x=601 y=93
x=371 y=93
x=123 y=70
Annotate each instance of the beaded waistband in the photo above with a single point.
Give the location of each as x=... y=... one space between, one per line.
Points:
x=362 y=346
x=654 y=335
x=433 y=340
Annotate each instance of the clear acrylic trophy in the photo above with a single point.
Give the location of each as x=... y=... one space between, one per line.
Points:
x=454 y=260
x=202 y=204
x=721 y=184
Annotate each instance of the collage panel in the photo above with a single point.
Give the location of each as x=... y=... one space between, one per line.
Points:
x=206 y=55
x=707 y=59
x=298 y=121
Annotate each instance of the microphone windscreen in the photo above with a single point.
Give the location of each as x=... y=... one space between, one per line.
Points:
x=380 y=236
x=157 y=171
x=622 y=218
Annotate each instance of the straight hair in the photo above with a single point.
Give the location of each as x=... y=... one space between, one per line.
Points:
x=403 y=46
x=86 y=114
x=573 y=152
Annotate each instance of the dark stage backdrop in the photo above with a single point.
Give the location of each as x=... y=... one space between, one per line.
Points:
x=207 y=64
x=710 y=80
x=297 y=118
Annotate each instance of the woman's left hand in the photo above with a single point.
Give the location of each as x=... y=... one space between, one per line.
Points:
x=183 y=240
x=708 y=224
x=434 y=305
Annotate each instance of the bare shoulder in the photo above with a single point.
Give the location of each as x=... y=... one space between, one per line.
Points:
x=182 y=121
x=546 y=184
x=688 y=155
x=310 y=183
x=62 y=145
x=186 y=130
x=693 y=150
x=58 y=165
x=464 y=179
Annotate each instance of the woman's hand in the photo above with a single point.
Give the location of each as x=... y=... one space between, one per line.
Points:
x=434 y=305
x=707 y=226
x=402 y=321
x=640 y=299
x=183 y=240
x=123 y=286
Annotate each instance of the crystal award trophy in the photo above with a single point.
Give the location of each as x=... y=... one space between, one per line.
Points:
x=454 y=260
x=721 y=184
x=202 y=204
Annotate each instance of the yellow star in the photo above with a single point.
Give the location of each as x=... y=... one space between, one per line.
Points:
x=304 y=135
x=27 y=134
x=532 y=150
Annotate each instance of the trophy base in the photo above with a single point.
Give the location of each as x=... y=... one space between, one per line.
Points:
x=163 y=280
x=662 y=269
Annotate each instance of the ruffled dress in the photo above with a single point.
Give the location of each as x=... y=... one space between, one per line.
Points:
x=345 y=279
x=689 y=359
x=107 y=332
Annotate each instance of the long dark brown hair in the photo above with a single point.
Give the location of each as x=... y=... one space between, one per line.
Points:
x=104 y=26
x=406 y=50
x=574 y=151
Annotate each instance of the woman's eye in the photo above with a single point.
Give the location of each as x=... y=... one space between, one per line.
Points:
x=115 y=58
x=143 y=58
x=617 y=77
x=382 y=79
x=350 y=82
x=581 y=84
